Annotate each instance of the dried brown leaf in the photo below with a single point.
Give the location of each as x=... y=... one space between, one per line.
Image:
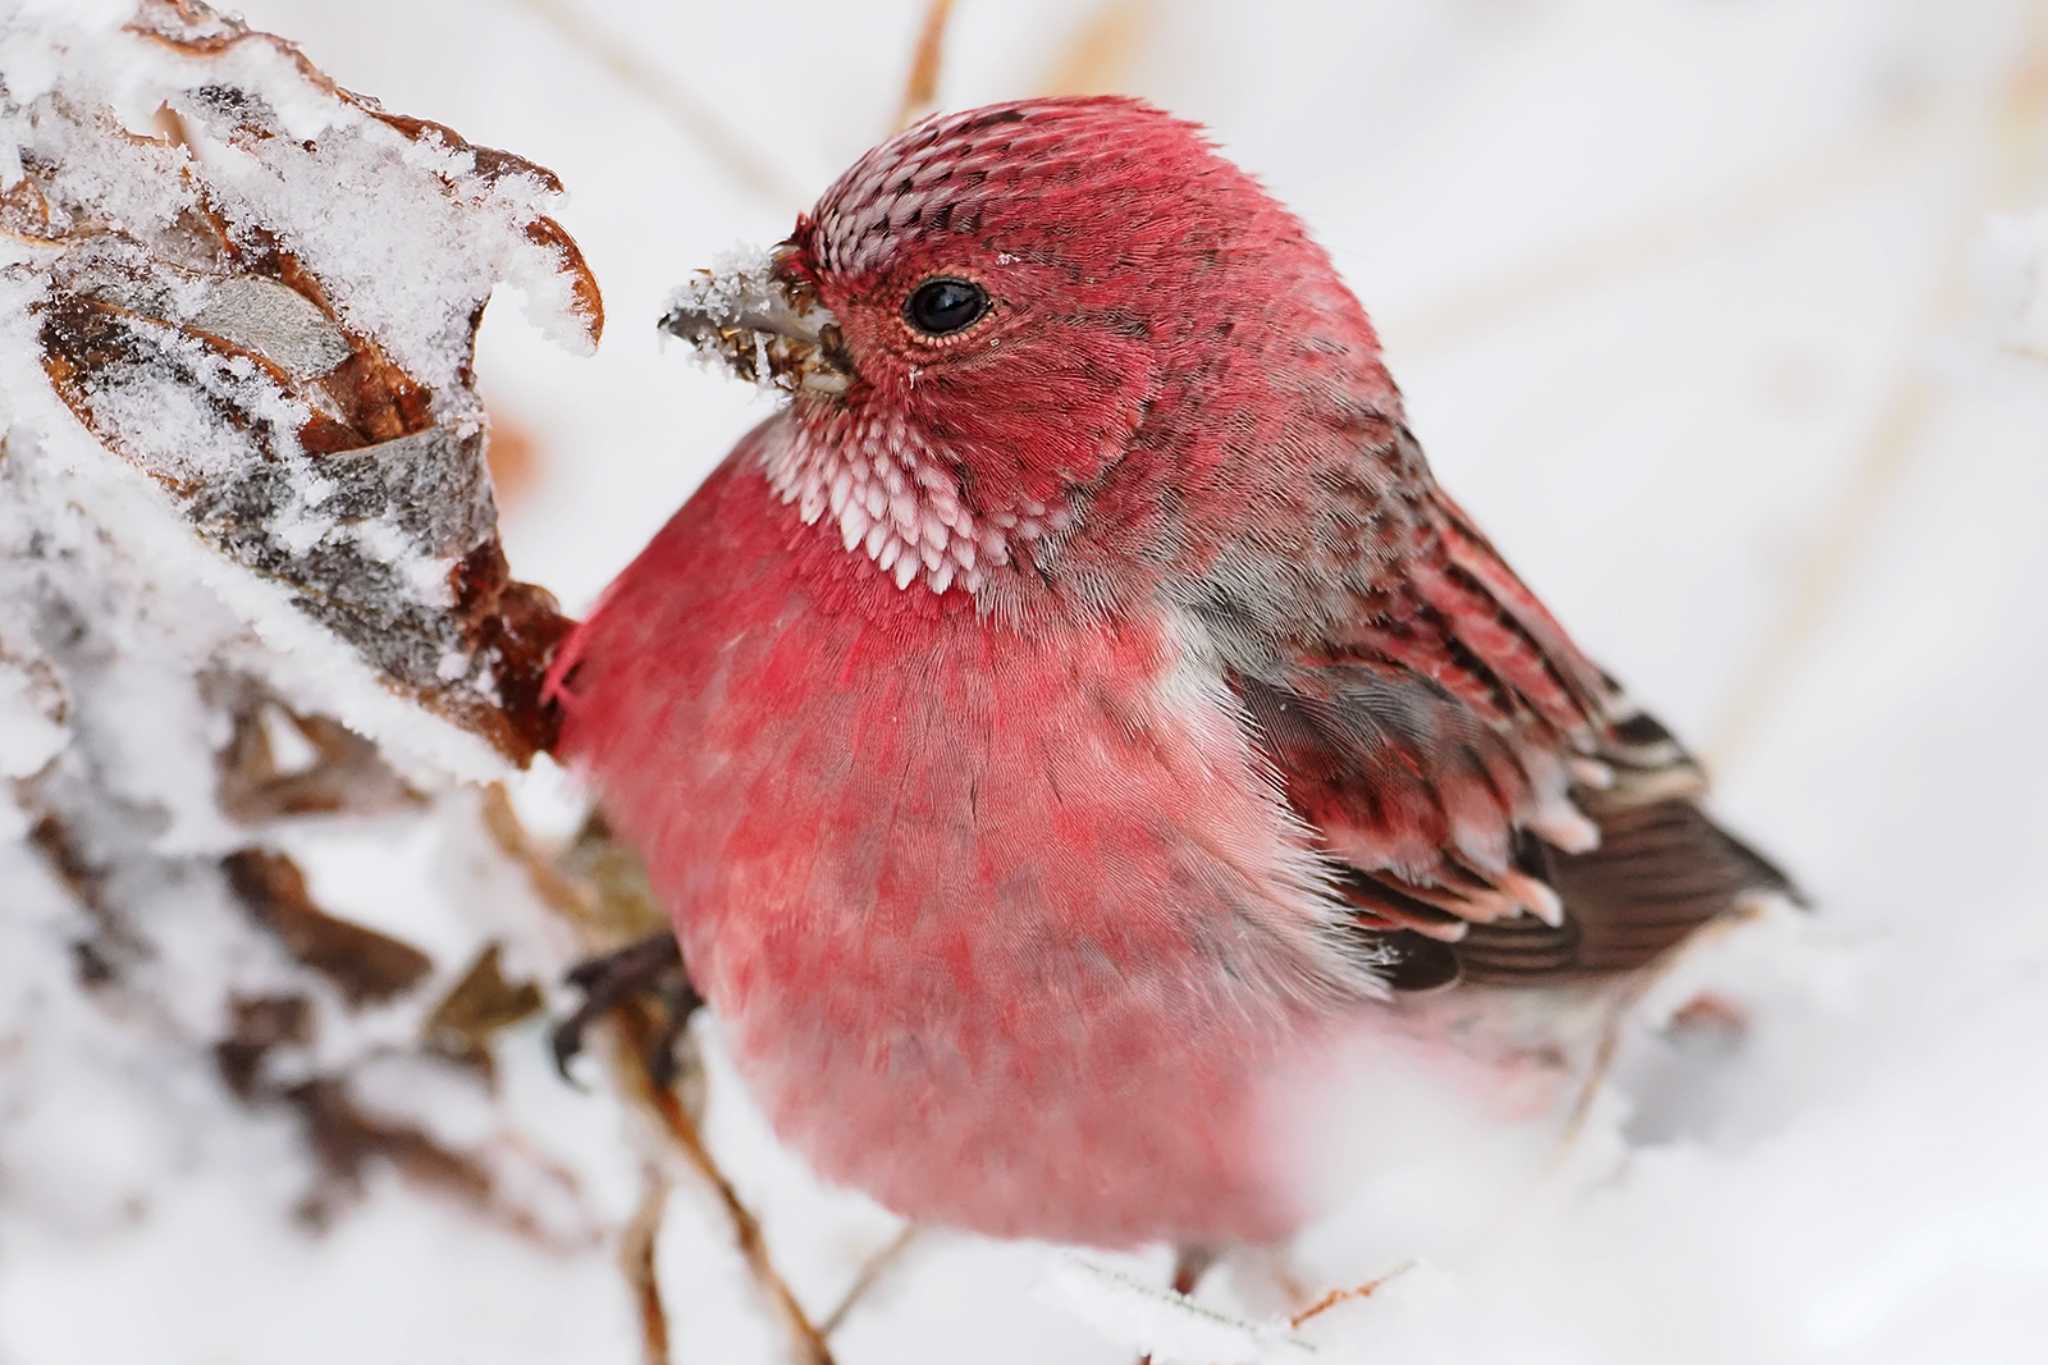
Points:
x=258 y=1025
x=365 y=965
x=121 y=303
x=478 y=1006
x=345 y=771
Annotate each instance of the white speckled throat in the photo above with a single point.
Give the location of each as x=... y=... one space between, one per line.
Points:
x=894 y=499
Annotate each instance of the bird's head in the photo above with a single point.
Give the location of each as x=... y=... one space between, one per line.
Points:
x=1008 y=329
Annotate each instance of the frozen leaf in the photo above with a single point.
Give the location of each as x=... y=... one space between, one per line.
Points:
x=253 y=606
x=367 y=966
x=266 y=301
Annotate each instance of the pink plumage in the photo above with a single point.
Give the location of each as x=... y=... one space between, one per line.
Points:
x=1079 y=703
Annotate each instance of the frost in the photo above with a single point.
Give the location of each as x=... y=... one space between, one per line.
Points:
x=737 y=315
x=735 y=283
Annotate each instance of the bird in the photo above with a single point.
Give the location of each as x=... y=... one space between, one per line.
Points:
x=1079 y=702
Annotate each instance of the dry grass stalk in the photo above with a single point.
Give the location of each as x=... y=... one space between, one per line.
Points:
x=1096 y=59
x=870 y=1275
x=921 y=86
x=1357 y=1291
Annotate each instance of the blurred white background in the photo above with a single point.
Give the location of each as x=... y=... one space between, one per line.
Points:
x=1714 y=312
x=1695 y=302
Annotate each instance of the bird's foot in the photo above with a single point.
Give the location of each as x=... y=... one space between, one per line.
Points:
x=649 y=968
x=1190 y=1264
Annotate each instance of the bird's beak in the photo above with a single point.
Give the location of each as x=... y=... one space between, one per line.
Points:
x=765 y=324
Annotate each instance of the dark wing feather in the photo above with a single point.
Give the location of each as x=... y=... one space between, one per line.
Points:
x=1662 y=871
x=1502 y=813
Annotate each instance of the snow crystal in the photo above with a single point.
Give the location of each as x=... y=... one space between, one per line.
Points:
x=738 y=285
x=737 y=281
x=125 y=184
x=401 y=257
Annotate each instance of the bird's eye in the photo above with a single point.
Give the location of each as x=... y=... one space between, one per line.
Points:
x=940 y=307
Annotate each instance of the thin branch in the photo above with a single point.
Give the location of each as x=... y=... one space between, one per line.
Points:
x=636 y=1254
x=553 y=890
x=1357 y=1291
x=638 y=1031
x=877 y=1266
x=635 y=1039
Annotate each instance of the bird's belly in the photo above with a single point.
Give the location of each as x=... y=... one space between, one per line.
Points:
x=1006 y=1115
x=1005 y=931
x=989 y=971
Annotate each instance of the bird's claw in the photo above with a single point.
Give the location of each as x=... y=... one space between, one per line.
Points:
x=652 y=967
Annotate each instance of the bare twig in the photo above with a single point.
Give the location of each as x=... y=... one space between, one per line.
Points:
x=637 y=1255
x=1357 y=1291
x=921 y=86
x=877 y=1266
x=637 y=1033
x=638 y=1029
x=750 y=167
x=557 y=892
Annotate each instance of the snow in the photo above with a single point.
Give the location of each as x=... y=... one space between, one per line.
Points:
x=1730 y=322
x=1138 y=1310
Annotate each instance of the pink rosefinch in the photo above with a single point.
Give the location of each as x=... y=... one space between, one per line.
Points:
x=1080 y=698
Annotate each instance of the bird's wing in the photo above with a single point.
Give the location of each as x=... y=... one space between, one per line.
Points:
x=1499 y=810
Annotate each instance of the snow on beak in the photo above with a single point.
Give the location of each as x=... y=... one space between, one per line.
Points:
x=764 y=324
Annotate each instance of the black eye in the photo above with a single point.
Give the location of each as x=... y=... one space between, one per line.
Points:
x=938 y=307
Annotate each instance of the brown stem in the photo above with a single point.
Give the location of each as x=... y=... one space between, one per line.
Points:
x=637 y=1255
x=637 y=1029
x=1356 y=1291
x=877 y=1266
